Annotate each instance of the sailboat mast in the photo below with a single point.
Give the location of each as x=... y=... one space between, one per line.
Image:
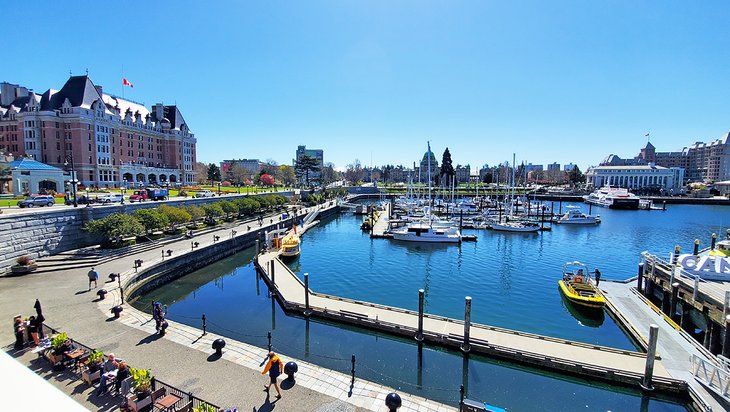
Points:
x=429 y=171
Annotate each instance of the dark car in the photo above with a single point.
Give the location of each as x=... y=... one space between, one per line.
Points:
x=37 y=200
x=81 y=200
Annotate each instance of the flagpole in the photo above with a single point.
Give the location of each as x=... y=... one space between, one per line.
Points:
x=122 y=81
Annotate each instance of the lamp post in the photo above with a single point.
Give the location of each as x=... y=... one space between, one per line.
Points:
x=124 y=185
x=73 y=177
x=219 y=188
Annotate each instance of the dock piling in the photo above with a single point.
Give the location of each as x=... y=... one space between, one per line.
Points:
x=467 y=324
x=697 y=247
x=203 y=319
x=273 y=279
x=353 y=370
x=640 y=278
x=726 y=342
x=650 y=355
x=306 y=294
x=696 y=288
x=677 y=249
x=714 y=239
x=673 y=302
x=419 y=335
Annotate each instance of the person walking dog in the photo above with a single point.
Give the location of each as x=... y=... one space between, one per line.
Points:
x=274 y=366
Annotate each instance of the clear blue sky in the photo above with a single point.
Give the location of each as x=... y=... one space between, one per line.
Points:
x=550 y=80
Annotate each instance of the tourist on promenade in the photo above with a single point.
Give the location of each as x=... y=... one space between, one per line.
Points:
x=597 y=274
x=122 y=374
x=274 y=367
x=19 y=330
x=157 y=315
x=93 y=277
x=108 y=371
x=33 y=330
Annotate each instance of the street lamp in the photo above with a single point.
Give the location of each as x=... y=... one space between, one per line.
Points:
x=219 y=188
x=124 y=186
x=73 y=176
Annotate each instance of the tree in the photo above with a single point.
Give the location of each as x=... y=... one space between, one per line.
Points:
x=213 y=210
x=447 y=167
x=267 y=180
x=329 y=174
x=195 y=212
x=214 y=173
x=175 y=215
x=287 y=176
x=304 y=166
x=270 y=167
x=237 y=174
x=115 y=226
x=151 y=219
x=575 y=176
x=229 y=208
x=354 y=172
x=201 y=172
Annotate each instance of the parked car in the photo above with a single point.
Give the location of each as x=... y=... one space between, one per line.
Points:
x=37 y=200
x=205 y=193
x=81 y=200
x=111 y=198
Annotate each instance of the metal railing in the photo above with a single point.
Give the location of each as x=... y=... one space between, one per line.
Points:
x=713 y=377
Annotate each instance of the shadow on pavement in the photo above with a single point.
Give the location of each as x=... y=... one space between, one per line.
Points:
x=149 y=339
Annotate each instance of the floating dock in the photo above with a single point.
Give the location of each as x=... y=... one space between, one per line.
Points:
x=559 y=355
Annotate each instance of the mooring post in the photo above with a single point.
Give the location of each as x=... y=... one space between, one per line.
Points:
x=714 y=239
x=419 y=335
x=306 y=294
x=203 y=318
x=696 y=289
x=258 y=250
x=726 y=304
x=273 y=279
x=268 y=336
x=726 y=342
x=676 y=254
x=561 y=207
x=673 y=303
x=640 y=278
x=353 y=369
x=467 y=324
x=697 y=247
x=650 y=355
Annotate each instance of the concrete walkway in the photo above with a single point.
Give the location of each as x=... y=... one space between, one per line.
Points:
x=673 y=345
x=68 y=306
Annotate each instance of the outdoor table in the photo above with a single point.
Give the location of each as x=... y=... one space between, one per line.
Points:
x=167 y=401
x=74 y=355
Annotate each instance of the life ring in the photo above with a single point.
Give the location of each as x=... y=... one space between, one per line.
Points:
x=578 y=279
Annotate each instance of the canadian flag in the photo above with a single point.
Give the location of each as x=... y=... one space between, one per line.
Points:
x=126 y=82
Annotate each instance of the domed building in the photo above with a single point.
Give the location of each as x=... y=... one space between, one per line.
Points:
x=425 y=164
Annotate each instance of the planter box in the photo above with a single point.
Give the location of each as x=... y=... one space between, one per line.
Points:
x=90 y=378
x=136 y=404
x=53 y=358
x=22 y=270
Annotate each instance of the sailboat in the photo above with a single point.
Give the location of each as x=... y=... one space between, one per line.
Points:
x=514 y=224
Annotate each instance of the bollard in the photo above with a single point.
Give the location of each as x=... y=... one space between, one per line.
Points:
x=290 y=369
x=353 y=369
x=218 y=346
x=419 y=335
x=650 y=355
x=640 y=278
x=393 y=402
x=306 y=294
x=714 y=239
x=203 y=323
x=467 y=324
x=116 y=310
x=673 y=302
x=697 y=248
x=676 y=253
x=726 y=343
x=101 y=293
x=268 y=336
x=192 y=246
x=696 y=289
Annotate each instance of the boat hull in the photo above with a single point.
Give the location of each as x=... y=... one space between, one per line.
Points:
x=596 y=301
x=627 y=204
x=426 y=239
x=507 y=228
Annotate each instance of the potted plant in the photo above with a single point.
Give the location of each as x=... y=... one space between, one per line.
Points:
x=204 y=407
x=142 y=386
x=24 y=264
x=56 y=343
x=92 y=372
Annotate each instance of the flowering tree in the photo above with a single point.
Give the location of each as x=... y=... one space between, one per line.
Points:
x=267 y=179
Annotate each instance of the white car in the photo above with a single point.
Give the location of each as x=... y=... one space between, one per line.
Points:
x=111 y=198
x=205 y=193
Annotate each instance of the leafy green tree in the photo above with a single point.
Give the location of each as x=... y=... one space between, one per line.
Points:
x=247 y=206
x=196 y=212
x=213 y=210
x=214 y=173
x=175 y=215
x=304 y=166
x=115 y=226
x=151 y=219
x=287 y=176
x=266 y=202
x=447 y=167
x=229 y=208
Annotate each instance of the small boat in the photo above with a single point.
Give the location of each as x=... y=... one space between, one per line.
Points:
x=425 y=232
x=722 y=248
x=290 y=245
x=579 y=288
x=516 y=226
x=573 y=216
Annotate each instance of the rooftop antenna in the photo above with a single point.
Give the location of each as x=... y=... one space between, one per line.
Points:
x=87 y=71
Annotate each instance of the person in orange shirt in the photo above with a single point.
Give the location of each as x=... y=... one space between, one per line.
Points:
x=274 y=366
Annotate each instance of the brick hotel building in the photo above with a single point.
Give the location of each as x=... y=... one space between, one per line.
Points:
x=113 y=142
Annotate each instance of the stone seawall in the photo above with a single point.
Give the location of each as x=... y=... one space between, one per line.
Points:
x=59 y=229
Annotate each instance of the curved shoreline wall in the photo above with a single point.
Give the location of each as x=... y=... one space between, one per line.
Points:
x=60 y=228
x=178 y=266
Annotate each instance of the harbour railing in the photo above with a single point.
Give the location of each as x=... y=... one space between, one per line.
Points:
x=713 y=377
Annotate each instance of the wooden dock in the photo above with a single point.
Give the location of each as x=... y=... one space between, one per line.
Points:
x=559 y=355
x=382 y=223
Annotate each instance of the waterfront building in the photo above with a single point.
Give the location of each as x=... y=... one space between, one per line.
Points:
x=462 y=173
x=424 y=167
x=639 y=177
x=314 y=153
x=701 y=161
x=553 y=167
x=28 y=176
x=110 y=141
x=533 y=168
x=251 y=166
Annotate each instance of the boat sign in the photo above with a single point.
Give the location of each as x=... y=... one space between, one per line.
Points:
x=706 y=266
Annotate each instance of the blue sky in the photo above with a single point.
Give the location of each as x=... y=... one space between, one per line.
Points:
x=565 y=81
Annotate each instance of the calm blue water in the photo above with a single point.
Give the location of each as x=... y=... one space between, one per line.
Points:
x=511 y=277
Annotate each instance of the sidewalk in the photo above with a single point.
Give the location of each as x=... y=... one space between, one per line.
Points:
x=182 y=358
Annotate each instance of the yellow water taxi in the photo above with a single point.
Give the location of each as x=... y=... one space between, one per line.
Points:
x=290 y=244
x=579 y=288
x=722 y=248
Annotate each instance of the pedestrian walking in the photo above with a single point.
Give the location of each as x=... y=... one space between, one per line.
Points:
x=274 y=366
x=93 y=277
x=597 y=275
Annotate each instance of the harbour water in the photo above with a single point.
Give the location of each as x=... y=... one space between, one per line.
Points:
x=512 y=279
